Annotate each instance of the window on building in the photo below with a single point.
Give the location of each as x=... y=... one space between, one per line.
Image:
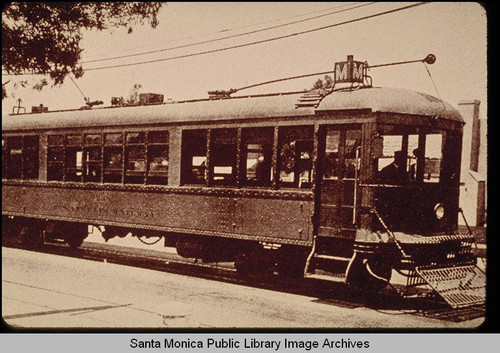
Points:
x=223 y=156
x=194 y=156
x=257 y=153
x=295 y=156
x=158 y=157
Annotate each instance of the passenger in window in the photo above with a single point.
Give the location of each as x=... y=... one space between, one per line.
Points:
x=394 y=172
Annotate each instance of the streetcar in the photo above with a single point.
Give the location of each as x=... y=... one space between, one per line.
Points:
x=344 y=185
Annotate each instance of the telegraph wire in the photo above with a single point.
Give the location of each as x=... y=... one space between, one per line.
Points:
x=259 y=41
x=227 y=37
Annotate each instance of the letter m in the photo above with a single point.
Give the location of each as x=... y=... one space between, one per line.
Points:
x=357 y=71
x=340 y=72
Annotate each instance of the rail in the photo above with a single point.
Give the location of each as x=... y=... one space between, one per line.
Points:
x=392 y=237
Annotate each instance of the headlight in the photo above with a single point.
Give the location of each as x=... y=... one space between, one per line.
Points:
x=439 y=211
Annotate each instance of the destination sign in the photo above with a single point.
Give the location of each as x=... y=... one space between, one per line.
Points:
x=350 y=71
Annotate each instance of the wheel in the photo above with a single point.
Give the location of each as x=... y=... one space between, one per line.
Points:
x=22 y=231
x=31 y=235
x=291 y=262
x=255 y=262
x=368 y=273
x=74 y=233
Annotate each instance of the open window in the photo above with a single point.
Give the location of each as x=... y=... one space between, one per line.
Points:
x=432 y=158
x=20 y=157
x=257 y=157
x=295 y=156
x=113 y=158
x=135 y=157
x=158 y=157
x=194 y=156
x=74 y=158
x=55 y=158
x=223 y=156
x=14 y=151
x=92 y=157
x=409 y=155
x=31 y=157
x=331 y=159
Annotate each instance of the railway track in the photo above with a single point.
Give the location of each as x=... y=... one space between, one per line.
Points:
x=336 y=294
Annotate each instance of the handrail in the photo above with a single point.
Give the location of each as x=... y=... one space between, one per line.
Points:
x=356 y=176
x=391 y=234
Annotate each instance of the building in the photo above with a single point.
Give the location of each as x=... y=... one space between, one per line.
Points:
x=473 y=181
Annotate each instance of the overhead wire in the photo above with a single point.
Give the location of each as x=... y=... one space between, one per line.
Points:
x=226 y=37
x=247 y=26
x=383 y=13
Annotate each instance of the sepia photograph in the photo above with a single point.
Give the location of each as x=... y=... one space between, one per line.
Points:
x=256 y=166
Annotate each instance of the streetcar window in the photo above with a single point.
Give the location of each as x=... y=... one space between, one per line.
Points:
x=5 y=158
x=93 y=139
x=92 y=157
x=20 y=157
x=15 y=157
x=351 y=153
x=113 y=158
x=331 y=161
x=223 y=156
x=135 y=158
x=433 y=157
x=296 y=149
x=392 y=164
x=413 y=164
x=56 y=140
x=113 y=139
x=135 y=137
x=158 y=157
x=55 y=160
x=194 y=156
x=410 y=157
x=30 y=157
x=74 y=164
x=257 y=156
x=74 y=140
x=74 y=158
x=135 y=165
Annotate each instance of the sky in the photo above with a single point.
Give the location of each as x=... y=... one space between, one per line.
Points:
x=454 y=32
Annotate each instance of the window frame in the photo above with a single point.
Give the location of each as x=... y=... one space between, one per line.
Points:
x=120 y=145
x=27 y=153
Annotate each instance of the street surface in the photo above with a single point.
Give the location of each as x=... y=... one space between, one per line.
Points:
x=50 y=291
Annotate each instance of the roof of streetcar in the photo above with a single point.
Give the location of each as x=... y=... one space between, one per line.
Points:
x=241 y=108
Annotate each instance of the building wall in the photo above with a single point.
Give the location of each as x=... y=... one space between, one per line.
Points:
x=474 y=165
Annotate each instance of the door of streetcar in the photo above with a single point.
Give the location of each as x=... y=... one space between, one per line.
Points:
x=339 y=153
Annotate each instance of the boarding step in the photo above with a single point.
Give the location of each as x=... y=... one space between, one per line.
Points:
x=326 y=276
x=332 y=257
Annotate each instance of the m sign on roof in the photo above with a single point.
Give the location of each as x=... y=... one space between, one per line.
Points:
x=349 y=71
